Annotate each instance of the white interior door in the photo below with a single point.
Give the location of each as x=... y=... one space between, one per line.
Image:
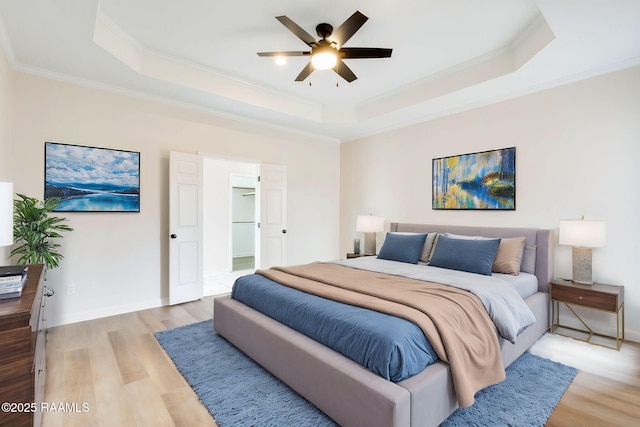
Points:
x=272 y=187
x=185 y=228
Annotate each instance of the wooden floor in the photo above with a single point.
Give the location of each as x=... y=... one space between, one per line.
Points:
x=606 y=391
x=115 y=370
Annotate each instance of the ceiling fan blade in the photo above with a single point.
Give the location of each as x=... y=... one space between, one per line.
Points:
x=306 y=71
x=365 y=52
x=290 y=53
x=297 y=30
x=348 y=28
x=344 y=71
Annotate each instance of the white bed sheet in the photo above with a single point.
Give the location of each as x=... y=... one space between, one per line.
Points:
x=500 y=295
x=525 y=283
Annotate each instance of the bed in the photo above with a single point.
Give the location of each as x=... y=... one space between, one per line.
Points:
x=353 y=395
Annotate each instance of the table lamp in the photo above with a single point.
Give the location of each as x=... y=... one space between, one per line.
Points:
x=369 y=225
x=582 y=235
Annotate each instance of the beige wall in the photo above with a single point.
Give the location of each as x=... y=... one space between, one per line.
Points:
x=5 y=117
x=5 y=132
x=118 y=261
x=577 y=153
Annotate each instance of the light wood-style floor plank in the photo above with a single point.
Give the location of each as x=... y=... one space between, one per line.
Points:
x=149 y=410
x=186 y=411
x=78 y=388
x=117 y=367
x=112 y=406
x=594 y=400
x=131 y=370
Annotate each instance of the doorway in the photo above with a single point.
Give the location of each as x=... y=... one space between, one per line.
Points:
x=229 y=222
x=243 y=223
x=200 y=206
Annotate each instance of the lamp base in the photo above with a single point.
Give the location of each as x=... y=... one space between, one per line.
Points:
x=581 y=258
x=369 y=243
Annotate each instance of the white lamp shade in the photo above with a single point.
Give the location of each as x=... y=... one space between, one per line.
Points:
x=6 y=213
x=369 y=223
x=581 y=232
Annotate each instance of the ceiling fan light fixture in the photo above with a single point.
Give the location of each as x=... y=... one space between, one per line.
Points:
x=324 y=60
x=329 y=51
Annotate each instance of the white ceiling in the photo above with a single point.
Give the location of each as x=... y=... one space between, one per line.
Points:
x=448 y=55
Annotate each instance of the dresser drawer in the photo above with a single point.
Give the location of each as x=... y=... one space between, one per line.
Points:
x=585 y=296
x=22 y=349
x=15 y=344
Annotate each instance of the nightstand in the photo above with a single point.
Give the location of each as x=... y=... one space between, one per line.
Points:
x=349 y=255
x=599 y=296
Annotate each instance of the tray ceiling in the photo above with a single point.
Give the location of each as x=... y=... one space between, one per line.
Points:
x=448 y=56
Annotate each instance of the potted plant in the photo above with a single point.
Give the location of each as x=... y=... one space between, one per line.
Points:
x=34 y=230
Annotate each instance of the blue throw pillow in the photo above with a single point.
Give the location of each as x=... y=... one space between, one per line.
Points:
x=474 y=256
x=402 y=247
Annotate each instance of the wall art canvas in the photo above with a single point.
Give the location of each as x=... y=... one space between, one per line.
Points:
x=484 y=180
x=92 y=179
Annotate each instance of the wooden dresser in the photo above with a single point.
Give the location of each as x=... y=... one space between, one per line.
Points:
x=22 y=353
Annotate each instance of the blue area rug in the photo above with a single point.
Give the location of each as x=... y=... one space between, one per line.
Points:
x=239 y=392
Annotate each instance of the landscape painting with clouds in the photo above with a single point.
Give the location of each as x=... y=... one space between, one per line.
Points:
x=91 y=179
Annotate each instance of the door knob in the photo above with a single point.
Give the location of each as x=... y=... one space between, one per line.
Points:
x=284 y=231
x=173 y=236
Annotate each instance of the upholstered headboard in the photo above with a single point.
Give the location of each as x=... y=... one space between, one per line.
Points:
x=539 y=239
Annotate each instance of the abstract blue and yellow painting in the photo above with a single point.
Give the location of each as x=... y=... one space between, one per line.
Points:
x=92 y=179
x=484 y=180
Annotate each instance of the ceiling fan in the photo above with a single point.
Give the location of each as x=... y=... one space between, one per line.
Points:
x=328 y=52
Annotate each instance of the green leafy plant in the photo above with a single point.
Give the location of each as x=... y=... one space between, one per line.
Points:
x=34 y=230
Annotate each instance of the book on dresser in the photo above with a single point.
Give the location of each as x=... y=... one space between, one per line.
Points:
x=12 y=289
x=12 y=279
x=10 y=271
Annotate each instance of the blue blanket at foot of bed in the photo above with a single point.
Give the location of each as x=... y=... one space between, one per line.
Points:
x=393 y=348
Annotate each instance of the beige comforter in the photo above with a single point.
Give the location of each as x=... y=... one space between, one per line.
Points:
x=455 y=321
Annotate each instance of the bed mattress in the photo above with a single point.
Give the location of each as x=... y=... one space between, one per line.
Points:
x=393 y=348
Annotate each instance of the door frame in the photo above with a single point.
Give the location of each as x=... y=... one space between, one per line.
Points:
x=261 y=166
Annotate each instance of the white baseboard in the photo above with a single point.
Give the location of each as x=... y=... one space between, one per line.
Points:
x=631 y=335
x=67 y=318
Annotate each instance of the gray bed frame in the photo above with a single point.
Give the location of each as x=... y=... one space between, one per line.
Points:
x=352 y=395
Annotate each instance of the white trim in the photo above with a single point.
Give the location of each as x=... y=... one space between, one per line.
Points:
x=423 y=118
x=6 y=45
x=39 y=72
x=97 y=313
